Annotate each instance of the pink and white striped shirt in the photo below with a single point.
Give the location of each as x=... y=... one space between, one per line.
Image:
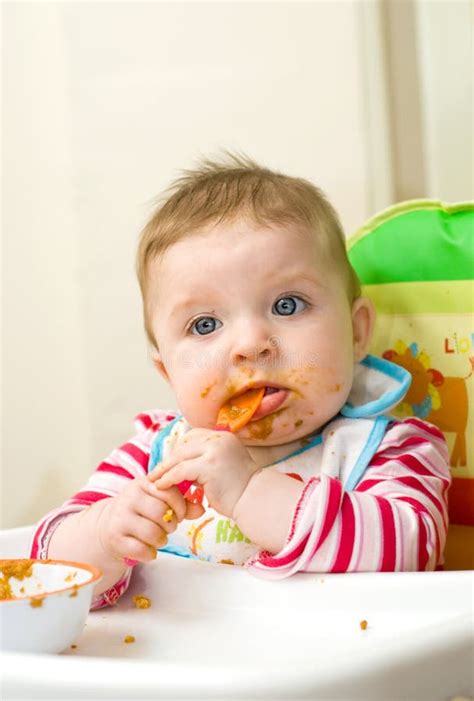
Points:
x=394 y=520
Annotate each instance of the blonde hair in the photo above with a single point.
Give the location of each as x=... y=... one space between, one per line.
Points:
x=237 y=186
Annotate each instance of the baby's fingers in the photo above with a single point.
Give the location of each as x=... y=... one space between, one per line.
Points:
x=147 y=531
x=133 y=549
x=162 y=500
x=161 y=469
x=186 y=471
x=180 y=454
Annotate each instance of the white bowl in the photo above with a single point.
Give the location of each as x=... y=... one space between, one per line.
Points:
x=48 y=609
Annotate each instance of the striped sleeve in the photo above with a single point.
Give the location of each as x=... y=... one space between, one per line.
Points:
x=395 y=520
x=124 y=463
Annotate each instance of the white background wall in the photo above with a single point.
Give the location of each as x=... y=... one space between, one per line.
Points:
x=445 y=39
x=104 y=103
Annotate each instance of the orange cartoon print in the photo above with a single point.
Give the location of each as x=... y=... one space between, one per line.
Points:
x=196 y=533
x=440 y=400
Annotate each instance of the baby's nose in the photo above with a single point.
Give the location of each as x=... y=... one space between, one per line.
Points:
x=254 y=349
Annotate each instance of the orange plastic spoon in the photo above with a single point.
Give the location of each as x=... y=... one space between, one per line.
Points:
x=237 y=412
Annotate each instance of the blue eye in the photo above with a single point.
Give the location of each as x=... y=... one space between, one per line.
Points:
x=286 y=306
x=204 y=326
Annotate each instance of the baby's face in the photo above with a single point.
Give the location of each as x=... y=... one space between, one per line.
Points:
x=240 y=304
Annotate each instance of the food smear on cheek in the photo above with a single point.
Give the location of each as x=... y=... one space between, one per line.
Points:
x=207 y=389
x=231 y=388
x=301 y=380
x=247 y=371
x=302 y=375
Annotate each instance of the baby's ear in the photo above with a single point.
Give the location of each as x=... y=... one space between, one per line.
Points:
x=159 y=365
x=363 y=321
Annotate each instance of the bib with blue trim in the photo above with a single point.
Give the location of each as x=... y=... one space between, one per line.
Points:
x=342 y=450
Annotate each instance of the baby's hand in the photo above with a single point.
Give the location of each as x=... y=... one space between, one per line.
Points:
x=218 y=461
x=131 y=525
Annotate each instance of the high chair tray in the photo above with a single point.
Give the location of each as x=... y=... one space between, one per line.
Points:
x=217 y=632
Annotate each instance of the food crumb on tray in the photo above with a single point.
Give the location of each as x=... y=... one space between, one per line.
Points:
x=141 y=602
x=36 y=601
x=129 y=639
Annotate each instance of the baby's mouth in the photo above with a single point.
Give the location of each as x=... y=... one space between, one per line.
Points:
x=271 y=401
x=249 y=405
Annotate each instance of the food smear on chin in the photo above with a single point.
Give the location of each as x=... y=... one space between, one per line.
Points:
x=262 y=428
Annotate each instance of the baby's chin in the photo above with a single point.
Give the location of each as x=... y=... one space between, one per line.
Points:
x=257 y=433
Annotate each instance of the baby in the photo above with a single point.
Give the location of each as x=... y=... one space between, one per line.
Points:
x=246 y=284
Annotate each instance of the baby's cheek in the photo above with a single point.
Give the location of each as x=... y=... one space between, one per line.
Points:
x=196 y=404
x=329 y=390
